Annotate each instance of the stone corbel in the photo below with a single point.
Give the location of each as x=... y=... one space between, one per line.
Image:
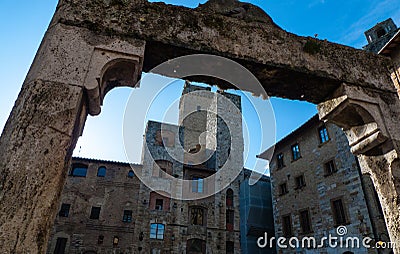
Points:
x=360 y=116
x=103 y=59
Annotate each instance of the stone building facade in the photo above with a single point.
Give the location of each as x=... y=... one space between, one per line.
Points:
x=96 y=213
x=317 y=187
x=179 y=200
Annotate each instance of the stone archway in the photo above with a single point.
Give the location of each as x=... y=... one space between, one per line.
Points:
x=87 y=50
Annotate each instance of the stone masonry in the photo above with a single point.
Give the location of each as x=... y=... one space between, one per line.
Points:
x=164 y=216
x=317 y=187
x=92 y=46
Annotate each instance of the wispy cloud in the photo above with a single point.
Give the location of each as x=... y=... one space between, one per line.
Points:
x=316 y=2
x=378 y=11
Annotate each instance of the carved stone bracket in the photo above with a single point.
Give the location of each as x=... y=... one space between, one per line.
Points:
x=119 y=64
x=360 y=116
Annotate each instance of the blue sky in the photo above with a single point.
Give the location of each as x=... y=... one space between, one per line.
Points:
x=23 y=24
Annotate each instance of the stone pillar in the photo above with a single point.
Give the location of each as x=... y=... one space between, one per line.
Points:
x=370 y=119
x=68 y=79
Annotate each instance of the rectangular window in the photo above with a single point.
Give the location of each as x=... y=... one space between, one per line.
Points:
x=157 y=231
x=339 y=213
x=64 y=211
x=323 y=134
x=230 y=217
x=100 y=239
x=279 y=159
x=300 y=182
x=330 y=168
x=287 y=225
x=159 y=204
x=115 y=241
x=79 y=170
x=127 y=216
x=60 y=245
x=295 y=152
x=197 y=184
x=230 y=247
x=95 y=213
x=196 y=216
x=305 y=222
x=283 y=189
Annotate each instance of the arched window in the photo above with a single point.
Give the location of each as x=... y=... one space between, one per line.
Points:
x=229 y=198
x=79 y=170
x=131 y=174
x=101 y=171
x=196 y=246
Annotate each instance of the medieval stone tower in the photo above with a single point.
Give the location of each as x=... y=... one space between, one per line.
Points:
x=190 y=188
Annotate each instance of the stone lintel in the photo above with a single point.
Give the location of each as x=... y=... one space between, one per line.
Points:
x=287 y=65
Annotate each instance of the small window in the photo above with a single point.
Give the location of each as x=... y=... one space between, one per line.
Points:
x=60 y=245
x=101 y=172
x=287 y=225
x=330 y=168
x=323 y=134
x=131 y=174
x=229 y=198
x=230 y=247
x=339 y=214
x=115 y=241
x=380 y=32
x=157 y=231
x=127 y=216
x=95 y=213
x=197 y=184
x=230 y=217
x=159 y=204
x=305 y=222
x=64 y=211
x=279 y=159
x=100 y=239
x=295 y=152
x=283 y=189
x=197 y=216
x=300 y=182
x=79 y=170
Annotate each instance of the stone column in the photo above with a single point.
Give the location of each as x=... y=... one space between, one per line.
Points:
x=68 y=79
x=370 y=119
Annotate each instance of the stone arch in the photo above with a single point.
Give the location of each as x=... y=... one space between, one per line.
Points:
x=64 y=85
x=196 y=246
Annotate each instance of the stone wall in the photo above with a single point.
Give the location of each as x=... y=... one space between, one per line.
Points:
x=115 y=192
